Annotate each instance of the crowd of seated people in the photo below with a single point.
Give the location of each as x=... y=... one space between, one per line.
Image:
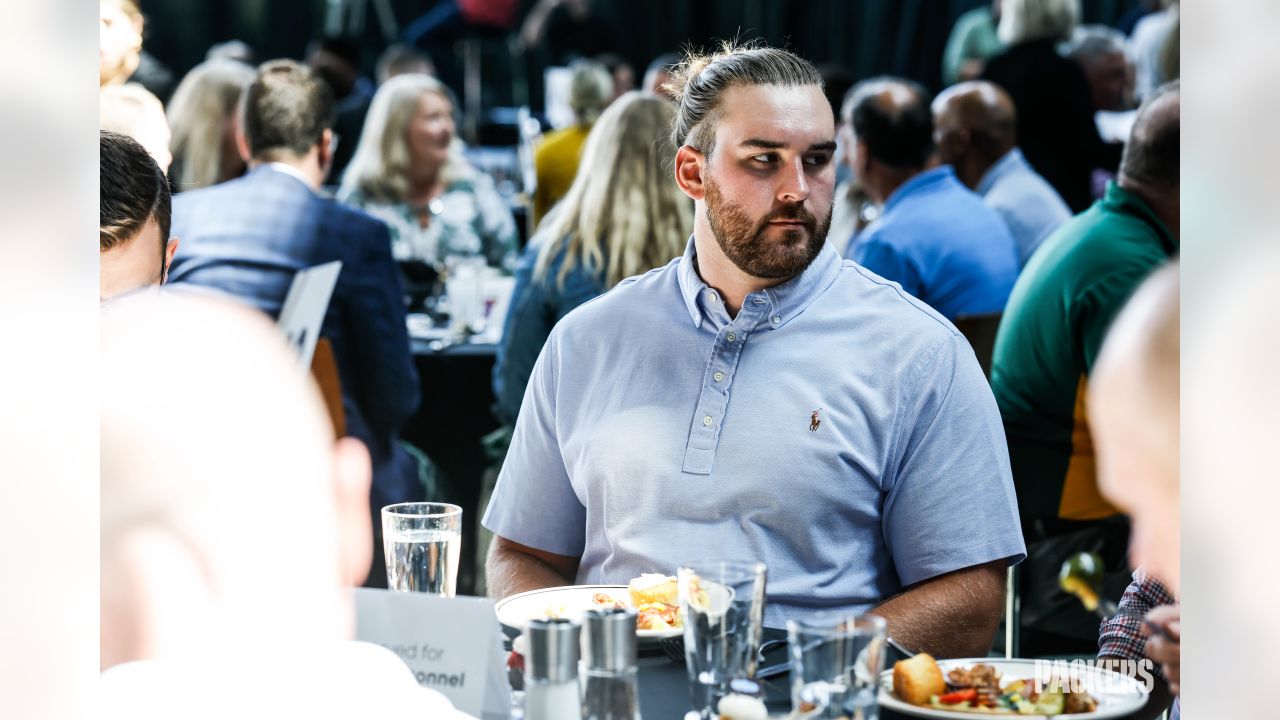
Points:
x=709 y=344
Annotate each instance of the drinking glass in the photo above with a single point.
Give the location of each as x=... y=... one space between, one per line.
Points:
x=421 y=542
x=723 y=605
x=836 y=659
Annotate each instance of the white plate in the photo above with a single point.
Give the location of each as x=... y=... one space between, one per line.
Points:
x=1117 y=695
x=516 y=611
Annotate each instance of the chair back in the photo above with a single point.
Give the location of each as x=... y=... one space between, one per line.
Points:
x=324 y=368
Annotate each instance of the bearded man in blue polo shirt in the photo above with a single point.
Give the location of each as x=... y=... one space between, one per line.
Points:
x=761 y=398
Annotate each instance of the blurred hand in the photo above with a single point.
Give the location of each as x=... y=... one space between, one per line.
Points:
x=1166 y=652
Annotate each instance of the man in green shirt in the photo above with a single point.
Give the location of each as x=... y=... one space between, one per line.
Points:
x=1052 y=329
x=973 y=39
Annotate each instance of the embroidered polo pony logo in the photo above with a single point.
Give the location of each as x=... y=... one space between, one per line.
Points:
x=815 y=419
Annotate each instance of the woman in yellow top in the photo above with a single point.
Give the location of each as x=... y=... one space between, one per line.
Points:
x=556 y=159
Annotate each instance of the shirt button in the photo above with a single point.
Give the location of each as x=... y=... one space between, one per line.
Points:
x=777 y=319
x=731 y=337
x=711 y=295
x=707 y=421
x=718 y=376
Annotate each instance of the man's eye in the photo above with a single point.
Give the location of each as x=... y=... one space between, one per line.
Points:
x=764 y=158
x=817 y=160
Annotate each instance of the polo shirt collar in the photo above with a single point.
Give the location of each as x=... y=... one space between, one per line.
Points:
x=1007 y=163
x=784 y=301
x=1119 y=200
x=920 y=183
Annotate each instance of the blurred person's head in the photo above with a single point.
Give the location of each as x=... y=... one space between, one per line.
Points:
x=660 y=73
x=624 y=76
x=590 y=90
x=975 y=125
x=336 y=59
x=623 y=215
x=286 y=115
x=204 y=114
x=1150 y=166
x=207 y=508
x=409 y=137
x=1023 y=21
x=755 y=141
x=1134 y=418
x=400 y=59
x=237 y=50
x=889 y=132
x=120 y=25
x=132 y=110
x=1100 y=52
x=134 y=247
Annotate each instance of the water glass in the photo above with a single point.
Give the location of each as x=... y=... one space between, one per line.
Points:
x=422 y=542
x=836 y=659
x=723 y=605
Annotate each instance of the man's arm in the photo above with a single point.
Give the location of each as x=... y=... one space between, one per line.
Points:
x=514 y=568
x=952 y=615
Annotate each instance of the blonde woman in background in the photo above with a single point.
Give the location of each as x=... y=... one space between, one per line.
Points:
x=203 y=116
x=622 y=216
x=409 y=172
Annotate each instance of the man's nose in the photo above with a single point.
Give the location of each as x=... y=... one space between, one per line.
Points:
x=794 y=185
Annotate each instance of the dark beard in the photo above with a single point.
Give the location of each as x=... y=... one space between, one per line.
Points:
x=742 y=240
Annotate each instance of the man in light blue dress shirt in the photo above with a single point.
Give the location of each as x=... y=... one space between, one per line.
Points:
x=761 y=398
x=975 y=126
x=934 y=237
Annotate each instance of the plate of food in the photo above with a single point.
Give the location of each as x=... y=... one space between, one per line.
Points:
x=652 y=596
x=928 y=688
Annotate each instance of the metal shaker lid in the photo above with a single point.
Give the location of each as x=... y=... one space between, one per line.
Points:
x=553 y=650
x=609 y=638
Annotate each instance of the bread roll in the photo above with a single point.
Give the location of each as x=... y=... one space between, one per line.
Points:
x=918 y=679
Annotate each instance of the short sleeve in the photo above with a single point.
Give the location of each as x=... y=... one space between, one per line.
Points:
x=950 y=503
x=881 y=258
x=534 y=503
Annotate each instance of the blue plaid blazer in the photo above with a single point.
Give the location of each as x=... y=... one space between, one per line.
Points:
x=247 y=237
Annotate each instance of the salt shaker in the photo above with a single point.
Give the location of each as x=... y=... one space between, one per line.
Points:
x=609 y=666
x=551 y=670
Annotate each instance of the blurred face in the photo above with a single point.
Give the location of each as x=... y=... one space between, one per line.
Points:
x=1135 y=475
x=431 y=131
x=1109 y=80
x=119 y=40
x=770 y=178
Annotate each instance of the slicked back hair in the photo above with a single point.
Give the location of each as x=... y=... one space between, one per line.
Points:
x=286 y=109
x=900 y=137
x=701 y=80
x=133 y=190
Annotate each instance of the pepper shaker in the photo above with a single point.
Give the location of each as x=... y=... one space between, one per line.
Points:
x=609 y=666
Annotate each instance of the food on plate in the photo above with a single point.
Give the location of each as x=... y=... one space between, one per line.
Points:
x=978 y=689
x=652 y=595
x=742 y=707
x=653 y=588
x=917 y=679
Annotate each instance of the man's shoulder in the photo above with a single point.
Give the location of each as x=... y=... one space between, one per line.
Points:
x=874 y=302
x=636 y=302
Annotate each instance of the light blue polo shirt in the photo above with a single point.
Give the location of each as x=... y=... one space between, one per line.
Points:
x=1027 y=203
x=836 y=429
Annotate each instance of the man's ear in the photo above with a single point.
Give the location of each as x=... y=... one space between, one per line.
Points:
x=352 y=476
x=169 y=252
x=325 y=156
x=689 y=165
x=242 y=143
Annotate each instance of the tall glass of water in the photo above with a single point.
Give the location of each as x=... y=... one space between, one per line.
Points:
x=723 y=605
x=836 y=659
x=422 y=542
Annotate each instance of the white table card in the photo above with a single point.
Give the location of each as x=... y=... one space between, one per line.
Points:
x=452 y=645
